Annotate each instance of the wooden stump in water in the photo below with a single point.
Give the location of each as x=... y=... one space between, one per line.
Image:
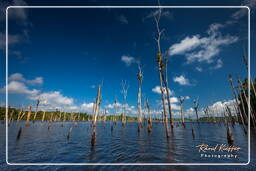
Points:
x=230 y=136
x=112 y=128
x=69 y=132
x=19 y=133
x=149 y=129
x=93 y=139
x=193 y=133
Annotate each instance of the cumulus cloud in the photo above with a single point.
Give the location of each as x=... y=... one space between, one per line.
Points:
x=217 y=108
x=87 y=107
x=181 y=80
x=15 y=87
x=185 y=45
x=53 y=98
x=157 y=90
x=128 y=60
x=20 y=77
x=203 y=49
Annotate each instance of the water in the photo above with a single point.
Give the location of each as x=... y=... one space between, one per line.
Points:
x=38 y=144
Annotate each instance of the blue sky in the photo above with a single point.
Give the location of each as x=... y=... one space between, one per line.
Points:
x=61 y=55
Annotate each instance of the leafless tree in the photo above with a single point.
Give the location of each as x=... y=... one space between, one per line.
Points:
x=160 y=63
x=181 y=100
x=140 y=79
x=196 y=105
x=124 y=91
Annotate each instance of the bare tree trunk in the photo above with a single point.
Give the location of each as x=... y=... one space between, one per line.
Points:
x=167 y=92
x=160 y=67
x=97 y=103
x=150 y=119
x=237 y=104
x=252 y=113
x=196 y=109
x=19 y=115
x=28 y=117
x=140 y=78
x=182 y=99
x=43 y=117
x=37 y=104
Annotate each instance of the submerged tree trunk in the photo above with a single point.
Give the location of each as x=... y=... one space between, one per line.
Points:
x=149 y=119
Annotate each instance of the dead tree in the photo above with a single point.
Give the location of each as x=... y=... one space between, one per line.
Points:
x=196 y=105
x=140 y=78
x=11 y=116
x=115 y=114
x=237 y=104
x=230 y=115
x=161 y=66
x=252 y=112
x=19 y=115
x=206 y=111
x=181 y=100
x=124 y=91
x=97 y=106
x=167 y=90
x=37 y=104
x=44 y=113
x=149 y=119
x=28 y=116
x=251 y=81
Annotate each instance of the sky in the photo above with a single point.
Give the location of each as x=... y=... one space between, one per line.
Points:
x=62 y=55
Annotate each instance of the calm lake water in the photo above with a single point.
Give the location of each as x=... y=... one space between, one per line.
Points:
x=38 y=144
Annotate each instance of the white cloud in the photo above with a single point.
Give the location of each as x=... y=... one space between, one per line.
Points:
x=218 y=65
x=199 y=69
x=128 y=60
x=87 y=107
x=217 y=108
x=157 y=90
x=12 y=40
x=185 y=45
x=53 y=99
x=202 y=49
x=19 y=77
x=174 y=99
x=175 y=107
x=15 y=87
x=243 y=11
x=122 y=19
x=181 y=80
